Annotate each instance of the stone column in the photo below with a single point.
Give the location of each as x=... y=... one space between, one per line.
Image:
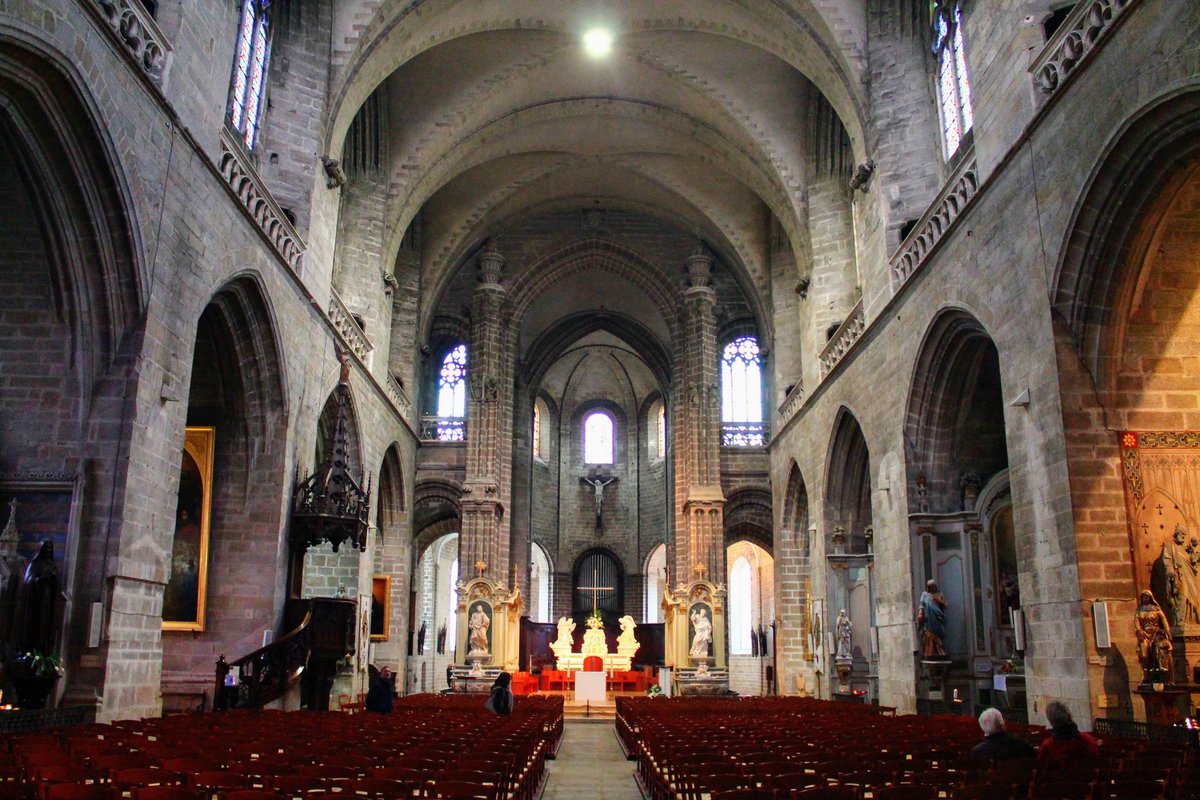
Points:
x=699 y=526
x=485 y=525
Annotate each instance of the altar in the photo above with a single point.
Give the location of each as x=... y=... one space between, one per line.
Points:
x=594 y=644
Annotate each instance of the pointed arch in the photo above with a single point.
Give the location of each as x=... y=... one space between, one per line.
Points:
x=848 y=483
x=795 y=511
x=954 y=427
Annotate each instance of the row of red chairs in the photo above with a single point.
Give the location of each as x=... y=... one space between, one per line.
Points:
x=772 y=748
x=428 y=747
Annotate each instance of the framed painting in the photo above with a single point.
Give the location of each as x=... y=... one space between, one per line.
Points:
x=187 y=584
x=381 y=607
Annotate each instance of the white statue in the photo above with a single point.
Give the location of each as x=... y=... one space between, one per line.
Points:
x=844 y=626
x=703 y=637
x=565 y=628
x=626 y=639
x=478 y=625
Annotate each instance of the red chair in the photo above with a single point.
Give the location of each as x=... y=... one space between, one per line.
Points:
x=78 y=791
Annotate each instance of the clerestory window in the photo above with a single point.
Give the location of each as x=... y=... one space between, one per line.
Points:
x=953 y=85
x=248 y=86
x=452 y=394
x=597 y=438
x=741 y=394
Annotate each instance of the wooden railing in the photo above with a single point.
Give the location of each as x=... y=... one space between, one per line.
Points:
x=267 y=673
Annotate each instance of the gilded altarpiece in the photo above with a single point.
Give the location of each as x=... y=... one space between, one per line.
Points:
x=1162 y=497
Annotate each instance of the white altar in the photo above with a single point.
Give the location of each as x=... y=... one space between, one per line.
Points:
x=594 y=644
x=589 y=688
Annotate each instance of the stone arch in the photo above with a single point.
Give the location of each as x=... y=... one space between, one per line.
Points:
x=795 y=511
x=552 y=343
x=1097 y=275
x=390 y=508
x=954 y=429
x=237 y=387
x=59 y=152
x=325 y=424
x=747 y=517
x=578 y=579
x=848 y=484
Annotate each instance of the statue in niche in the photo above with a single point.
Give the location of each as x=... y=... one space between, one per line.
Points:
x=703 y=636
x=37 y=603
x=931 y=622
x=1153 y=633
x=1179 y=563
x=843 y=628
x=479 y=623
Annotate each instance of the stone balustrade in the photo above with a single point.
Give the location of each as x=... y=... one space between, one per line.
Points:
x=843 y=339
x=936 y=221
x=398 y=396
x=252 y=195
x=1075 y=40
x=348 y=328
x=791 y=404
x=136 y=31
x=443 y=429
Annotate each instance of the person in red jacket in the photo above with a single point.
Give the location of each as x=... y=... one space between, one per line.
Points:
x=1066 y=741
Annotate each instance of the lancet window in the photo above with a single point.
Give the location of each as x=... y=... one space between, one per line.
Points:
x=452 y=393
x=251 y=57
x=597 y=438
x=953 y=85
x=741 y=394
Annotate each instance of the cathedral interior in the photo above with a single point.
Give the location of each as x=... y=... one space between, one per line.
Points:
x=744 y=320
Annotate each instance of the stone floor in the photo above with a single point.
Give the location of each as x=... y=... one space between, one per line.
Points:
x=590 y=765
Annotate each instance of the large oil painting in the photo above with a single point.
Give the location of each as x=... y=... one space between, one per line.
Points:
x=187 y=583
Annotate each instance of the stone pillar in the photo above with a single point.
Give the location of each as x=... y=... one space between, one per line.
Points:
x=699 y=524
x=483 y=545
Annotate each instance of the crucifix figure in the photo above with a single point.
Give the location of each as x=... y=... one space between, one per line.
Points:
x=598 y=484
x=595 y=590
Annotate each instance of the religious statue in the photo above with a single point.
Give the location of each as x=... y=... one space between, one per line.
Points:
x=1179 y=565
x=843 y=627
x=565 y=628
x=479 y=623
x=37 y=603
x=931 y=622
x=1153 y=633
x=703 y=636
x=626 y=638
x=598 y=485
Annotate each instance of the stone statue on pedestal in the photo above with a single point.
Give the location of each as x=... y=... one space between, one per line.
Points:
x=843 y=629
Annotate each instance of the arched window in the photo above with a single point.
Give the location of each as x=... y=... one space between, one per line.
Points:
x=250 y=61
x=656 y=431
x=539 y=584
x=953 y=86
x=656 y=581
x=452 y=395
x=537 y=430
x=597 y=438
x=661 y=425
x=740 y=616
x=741 y=394
x=452 y=609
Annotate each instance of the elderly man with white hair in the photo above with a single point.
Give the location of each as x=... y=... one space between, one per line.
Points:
x=997 y=745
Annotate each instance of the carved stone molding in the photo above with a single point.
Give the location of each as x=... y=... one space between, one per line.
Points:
x=252 y=194
x=397 y=394
x=1075 y=40
x=843 y=339
x=348 y=328
x=137 y=32
x=937 y=220
x=39 y=476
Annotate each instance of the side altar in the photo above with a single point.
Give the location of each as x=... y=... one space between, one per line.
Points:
x=489 y=619
x=594 y=644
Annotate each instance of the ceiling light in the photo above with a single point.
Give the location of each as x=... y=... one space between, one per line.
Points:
x=598 y=42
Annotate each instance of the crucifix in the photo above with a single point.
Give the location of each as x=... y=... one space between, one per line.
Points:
x=595 y=590
x=598 y=483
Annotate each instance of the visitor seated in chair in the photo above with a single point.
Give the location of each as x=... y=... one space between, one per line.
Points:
x=998 y=745
x=1066 y=742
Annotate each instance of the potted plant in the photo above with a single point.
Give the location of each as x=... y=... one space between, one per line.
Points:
x=34 y=675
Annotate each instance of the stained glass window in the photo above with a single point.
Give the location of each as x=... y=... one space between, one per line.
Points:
x=954 y=87
x=452 y=384
x=741 y=394
x=597 y=438
x=250 y=61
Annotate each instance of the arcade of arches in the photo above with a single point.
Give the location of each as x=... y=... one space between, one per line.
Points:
x=775 y=311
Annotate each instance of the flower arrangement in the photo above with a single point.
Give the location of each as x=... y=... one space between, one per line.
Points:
x=42 y=665
x=654 y=691
x=595 y=620
x=1012 y=665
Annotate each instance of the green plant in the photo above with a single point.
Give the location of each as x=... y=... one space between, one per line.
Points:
x=42 y=665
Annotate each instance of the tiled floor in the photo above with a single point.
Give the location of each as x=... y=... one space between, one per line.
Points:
x=590 y=766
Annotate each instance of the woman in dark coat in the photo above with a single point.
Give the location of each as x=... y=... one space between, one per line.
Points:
x=380 y=694
x=501 y=699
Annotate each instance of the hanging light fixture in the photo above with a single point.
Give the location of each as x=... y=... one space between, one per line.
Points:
x=330 y=505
